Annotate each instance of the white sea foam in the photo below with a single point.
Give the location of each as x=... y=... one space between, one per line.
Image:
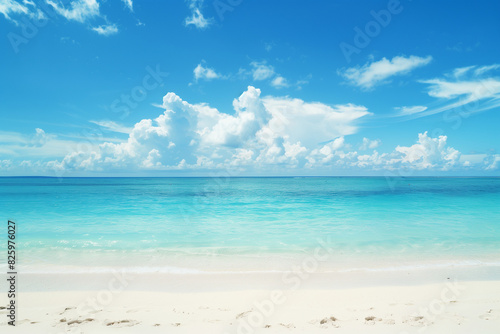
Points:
x=67 y=269
x=425 y=266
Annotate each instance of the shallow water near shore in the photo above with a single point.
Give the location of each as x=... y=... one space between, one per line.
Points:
x=191 y=225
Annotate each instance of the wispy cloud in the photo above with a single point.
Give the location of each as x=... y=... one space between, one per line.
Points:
x=106 y=30
x=129 y=4
x=36 y=145
x=483 y=69
x=405 y=111
x=469 y=88
x=9 y=7
x=78 y=10
x=112 y=126
x=82 y=11
x=379 y=72
x=197 y=19
x=461 y=71
x=261 y=71
x=472 y=71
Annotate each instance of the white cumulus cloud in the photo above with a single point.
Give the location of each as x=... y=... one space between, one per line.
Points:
x=279 y=82
x=369 y=144
x=257 y=137
x=429 y=153
x=262 y=131
x=493 y=162
x=205 y=73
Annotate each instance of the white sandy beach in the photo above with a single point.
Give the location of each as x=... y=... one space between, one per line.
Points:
x=124 y=304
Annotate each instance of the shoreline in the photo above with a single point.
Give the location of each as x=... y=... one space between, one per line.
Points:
x=430 y=271
x=301 y=275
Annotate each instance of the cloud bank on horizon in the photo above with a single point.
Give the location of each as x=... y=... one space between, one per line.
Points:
x=262 y=134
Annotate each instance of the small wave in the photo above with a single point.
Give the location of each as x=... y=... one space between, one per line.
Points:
x=51 y=269
x=424 y=266
x=105 y=270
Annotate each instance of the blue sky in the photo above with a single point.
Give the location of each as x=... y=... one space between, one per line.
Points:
x=127 y=87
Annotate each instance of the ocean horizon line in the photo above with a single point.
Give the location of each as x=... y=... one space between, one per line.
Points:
x=254 y=177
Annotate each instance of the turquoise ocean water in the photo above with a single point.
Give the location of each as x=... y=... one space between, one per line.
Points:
x=186 y=223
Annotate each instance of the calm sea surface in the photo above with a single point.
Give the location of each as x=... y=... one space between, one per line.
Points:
x=107 y=221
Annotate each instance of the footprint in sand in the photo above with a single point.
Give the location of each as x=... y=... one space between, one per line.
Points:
x=330 y=321
x=243 y=314
x=490 y=315
x=76 y=321
x=371 y=320
x=417 y=321
x=122 y=323
x=66 y=309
